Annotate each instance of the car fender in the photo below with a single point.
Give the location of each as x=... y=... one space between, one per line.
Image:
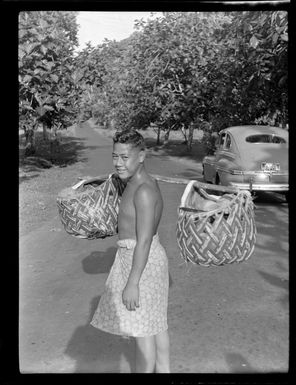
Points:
x=224 y=169
x=209 y=169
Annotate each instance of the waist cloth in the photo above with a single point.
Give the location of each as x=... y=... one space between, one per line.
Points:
x=150 y=318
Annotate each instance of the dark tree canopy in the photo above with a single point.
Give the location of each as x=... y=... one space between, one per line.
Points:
x=179 y=71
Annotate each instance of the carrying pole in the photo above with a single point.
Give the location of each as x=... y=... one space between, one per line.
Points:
x=168 y=179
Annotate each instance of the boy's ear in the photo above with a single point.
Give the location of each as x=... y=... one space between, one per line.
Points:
x=142 y=155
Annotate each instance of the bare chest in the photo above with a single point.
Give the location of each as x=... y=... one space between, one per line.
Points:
x=127 y=208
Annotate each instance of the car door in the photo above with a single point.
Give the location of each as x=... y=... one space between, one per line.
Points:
x=210 y=161
x=225 y=159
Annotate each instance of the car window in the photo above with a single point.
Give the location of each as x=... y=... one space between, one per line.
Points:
x=228 y=142
x=222 y=139
x=265 y=138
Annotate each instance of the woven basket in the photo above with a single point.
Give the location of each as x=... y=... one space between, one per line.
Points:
x=90 y=208
x=215 y=230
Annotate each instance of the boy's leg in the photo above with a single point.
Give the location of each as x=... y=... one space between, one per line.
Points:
x=162 y=352
x=145 y=354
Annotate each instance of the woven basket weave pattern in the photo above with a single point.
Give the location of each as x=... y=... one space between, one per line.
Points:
x=91 y=211
x=218 y=237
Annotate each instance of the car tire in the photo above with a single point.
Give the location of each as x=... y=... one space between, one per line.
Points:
x=203 y=175
x=217 y=180
x=287 y=196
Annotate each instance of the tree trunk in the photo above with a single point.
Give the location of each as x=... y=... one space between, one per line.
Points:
x=184 y=133
x=190 y=137
x=44 y=129
x=158 y=136
x=30 y=143
x=166 y=136
x=54 y=144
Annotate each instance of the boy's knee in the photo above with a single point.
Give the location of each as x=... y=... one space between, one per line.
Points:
x=163 y=353
x=162 y=342
x=145 y=355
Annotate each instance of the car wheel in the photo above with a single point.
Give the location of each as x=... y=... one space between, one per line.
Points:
x=287 y=196
x=217 y=180
x=203 y=174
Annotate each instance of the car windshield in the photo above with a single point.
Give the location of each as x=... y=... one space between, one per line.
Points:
x=265 y=138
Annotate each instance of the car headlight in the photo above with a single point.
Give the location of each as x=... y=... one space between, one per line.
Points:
x=262 y=176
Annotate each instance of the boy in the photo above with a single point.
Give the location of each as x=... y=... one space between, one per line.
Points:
x=135 y=299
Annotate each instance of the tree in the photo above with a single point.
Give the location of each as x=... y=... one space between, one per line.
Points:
x=249 y=75
x=190 y=69
x=167 y=69
x=48 y=92
x=101 y=71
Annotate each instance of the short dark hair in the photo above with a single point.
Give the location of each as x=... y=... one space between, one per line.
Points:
x=132 y=137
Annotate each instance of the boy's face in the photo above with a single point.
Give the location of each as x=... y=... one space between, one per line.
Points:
x=127 y=159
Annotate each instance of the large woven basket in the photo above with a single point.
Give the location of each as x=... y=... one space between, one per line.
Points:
x=90 y=208
x=213 y=229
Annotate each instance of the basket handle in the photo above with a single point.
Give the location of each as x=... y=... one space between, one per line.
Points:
x=202 y=187
x=89 y=180
x=206 y=186
x=186 y=192
x=169 y=180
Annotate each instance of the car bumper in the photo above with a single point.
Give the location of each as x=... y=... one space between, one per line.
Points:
x=261 y=186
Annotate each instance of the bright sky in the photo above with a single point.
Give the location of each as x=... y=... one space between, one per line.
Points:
x=96 y=26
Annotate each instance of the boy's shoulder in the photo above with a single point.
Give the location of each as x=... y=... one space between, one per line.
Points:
x=145 y=186
x=146 y=190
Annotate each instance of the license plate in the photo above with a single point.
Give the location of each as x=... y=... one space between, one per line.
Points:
x=270 y=166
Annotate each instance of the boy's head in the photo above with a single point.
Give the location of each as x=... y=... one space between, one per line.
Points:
x=132 y=137
x=128 y=152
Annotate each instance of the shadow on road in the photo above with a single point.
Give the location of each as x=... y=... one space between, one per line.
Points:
x=238 y=364
x=99 y=261
x=191 y=173
x=270 y=198
x=271 y=216
x=96 y=351
x=68 y=151
x=177 y=149
x=275 y=281
x=278 y=283
x=27 y=177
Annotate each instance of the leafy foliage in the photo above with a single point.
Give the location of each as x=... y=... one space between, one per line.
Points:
x=251 y=70
x=188 y=69
x=184 y=70
x=48 y=92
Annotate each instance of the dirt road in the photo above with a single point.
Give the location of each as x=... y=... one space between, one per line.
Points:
x=221 y=319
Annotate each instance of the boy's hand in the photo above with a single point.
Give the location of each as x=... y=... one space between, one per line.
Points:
x=130 y=296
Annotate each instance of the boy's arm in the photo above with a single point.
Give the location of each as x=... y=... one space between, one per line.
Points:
x=145 y=202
